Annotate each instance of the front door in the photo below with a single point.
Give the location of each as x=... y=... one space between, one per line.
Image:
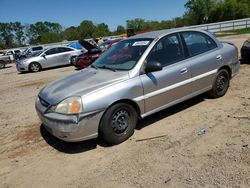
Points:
x=171 y=84
x=51 y=58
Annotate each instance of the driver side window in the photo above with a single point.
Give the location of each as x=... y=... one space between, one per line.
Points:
x=167 y=51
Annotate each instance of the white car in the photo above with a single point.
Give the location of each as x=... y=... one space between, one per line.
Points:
x=52 y=57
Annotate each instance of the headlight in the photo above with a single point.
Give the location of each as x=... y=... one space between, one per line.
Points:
x=72 y=105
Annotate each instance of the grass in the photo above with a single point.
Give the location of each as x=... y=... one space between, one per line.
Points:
x=233 y=32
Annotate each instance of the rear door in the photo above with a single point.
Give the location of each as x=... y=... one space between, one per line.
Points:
x=204 y=56
x=164 y=88
x=51 y=58
x=64 y=55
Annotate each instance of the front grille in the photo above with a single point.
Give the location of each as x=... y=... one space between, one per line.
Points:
x=43 y=102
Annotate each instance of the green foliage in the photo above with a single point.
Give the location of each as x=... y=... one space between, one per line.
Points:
x=209 y=11
x=120 y=30
x=198 y=11
x=101 y=30
x=140 y=24
x=50 y=37
x=71 y=33
x=6 y=34
x=86 y=29
x=233 y=32
x=42 y=32
x=229 y=10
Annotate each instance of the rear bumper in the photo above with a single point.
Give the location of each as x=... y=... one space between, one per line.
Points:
x=235 y=68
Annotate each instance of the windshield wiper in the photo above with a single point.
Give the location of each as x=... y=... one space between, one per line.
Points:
x=106 y=67
x=93 y=66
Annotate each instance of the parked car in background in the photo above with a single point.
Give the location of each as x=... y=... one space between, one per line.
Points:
x=31 y=51
x=87 y=58
x=14 y=54
x=245 y=51
x=4 y=59
x=108 y=43
x=77 y=45
x=52 y=57
x=135 y=78
x=8 y=57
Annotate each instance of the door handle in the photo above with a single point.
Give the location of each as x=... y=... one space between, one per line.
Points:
x=184 y=70
x=218 y=57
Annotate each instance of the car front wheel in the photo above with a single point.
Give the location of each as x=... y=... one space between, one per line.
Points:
x=118 y=123
x=34 y=67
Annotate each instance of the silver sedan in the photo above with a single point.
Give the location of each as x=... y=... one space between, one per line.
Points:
x=52 y=57
x=134 y=79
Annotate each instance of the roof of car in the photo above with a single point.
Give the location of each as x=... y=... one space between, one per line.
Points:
x=159 y=33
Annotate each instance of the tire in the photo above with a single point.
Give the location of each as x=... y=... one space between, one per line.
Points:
x=2 y=64
x=118 y=123
x=34 y=67
x=221 y=84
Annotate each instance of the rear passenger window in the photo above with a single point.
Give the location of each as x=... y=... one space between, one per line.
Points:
x=198 y=43
x=167 y=51
x=63 y=49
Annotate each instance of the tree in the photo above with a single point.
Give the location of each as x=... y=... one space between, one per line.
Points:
x=120 y=30
x=86 y=29
x=18 y=29
x=136 y=24
x=6 y=34
x=40 y=32
x=230 y=10
x=50 y=37
x=71 y=33
x=198 y=11
x=101 y=30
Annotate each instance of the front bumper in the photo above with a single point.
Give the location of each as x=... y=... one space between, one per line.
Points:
x=21 y=67
x=70 y=128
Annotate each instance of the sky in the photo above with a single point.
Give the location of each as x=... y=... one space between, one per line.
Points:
x=72 y=12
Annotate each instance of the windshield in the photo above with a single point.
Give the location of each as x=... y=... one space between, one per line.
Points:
x=38 y=53
x=124 y=55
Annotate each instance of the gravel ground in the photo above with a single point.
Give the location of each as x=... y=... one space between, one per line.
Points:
x=165 y=151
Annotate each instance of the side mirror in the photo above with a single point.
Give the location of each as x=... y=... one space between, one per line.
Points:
x=153 y=66
x=44 y=55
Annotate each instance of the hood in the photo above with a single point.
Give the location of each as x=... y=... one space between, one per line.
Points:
x=29 y=59
x=80 y=84
x=87 y=45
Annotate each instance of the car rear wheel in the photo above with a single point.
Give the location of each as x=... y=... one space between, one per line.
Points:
x=221 y=84
x=34 y=67
x=2 y=64
x=118 y=123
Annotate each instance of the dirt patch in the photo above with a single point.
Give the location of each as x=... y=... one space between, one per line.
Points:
x=31 y=84
x=26 y=142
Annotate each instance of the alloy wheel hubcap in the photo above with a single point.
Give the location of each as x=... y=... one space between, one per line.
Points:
x=34 y=67
x=120 y=121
